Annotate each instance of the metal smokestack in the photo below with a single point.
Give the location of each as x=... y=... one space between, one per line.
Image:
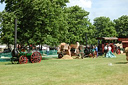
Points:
x=15 y=44
x=15 y=51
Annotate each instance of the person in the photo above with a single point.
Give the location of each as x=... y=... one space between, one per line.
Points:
x=33 y=49
x=105 y=49
x=81 y=50
x=96 y=49
x=47 y=50
x=93 y=51
x=69 y=50
x=109 y=53
x=77 y=46
x=86 y=51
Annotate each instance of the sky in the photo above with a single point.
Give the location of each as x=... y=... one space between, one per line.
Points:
x=2 y=6
x=108 y=8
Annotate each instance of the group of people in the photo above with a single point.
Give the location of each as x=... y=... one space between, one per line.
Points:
x=108 y=52
x=91 y=51
x=87 y=51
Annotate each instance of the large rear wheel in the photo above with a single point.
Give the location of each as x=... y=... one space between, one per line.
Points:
x=36 y=57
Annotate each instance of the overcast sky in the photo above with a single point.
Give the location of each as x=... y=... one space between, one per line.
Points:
x=109 y=8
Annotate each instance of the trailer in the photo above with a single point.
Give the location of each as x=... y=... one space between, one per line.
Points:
x=102 y=41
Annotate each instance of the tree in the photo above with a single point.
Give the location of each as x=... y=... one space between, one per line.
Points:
x=0 y=25
x=105 y=27
x=121 y=25
x=7 y=27
x=50 y=22
x=39 y=21
x=78 y=23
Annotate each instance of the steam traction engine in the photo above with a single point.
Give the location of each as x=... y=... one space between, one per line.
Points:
x=23 y=57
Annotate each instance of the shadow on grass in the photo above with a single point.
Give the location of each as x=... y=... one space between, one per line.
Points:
x=9 y=63
x=49 y=58
x=121 y=63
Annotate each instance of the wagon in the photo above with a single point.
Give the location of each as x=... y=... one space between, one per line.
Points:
x=63 y=50
x=102 y=41
x=71 y=50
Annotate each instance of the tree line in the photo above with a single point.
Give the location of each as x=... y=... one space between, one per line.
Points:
x=52 y=22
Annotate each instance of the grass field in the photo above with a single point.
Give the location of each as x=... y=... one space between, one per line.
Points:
x=52 y=71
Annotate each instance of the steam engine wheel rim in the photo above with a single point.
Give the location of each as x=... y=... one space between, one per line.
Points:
x=23 y=59
x=36 y=57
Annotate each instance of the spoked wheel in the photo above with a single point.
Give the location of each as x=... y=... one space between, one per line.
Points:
x=23 y=59
x=36 y=57
x=60 y=55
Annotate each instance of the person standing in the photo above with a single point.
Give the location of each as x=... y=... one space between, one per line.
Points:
x=93 y=51
x=47 y=50
x=105 y=50
x=77 y=46
x=109 y=53
x=81 y=50
x=96 y=49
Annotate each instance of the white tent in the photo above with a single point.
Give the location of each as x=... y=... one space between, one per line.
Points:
x=3 y=46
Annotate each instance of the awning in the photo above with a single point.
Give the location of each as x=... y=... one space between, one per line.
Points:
x=2 y=46
x=124 y=41
x=108 y=38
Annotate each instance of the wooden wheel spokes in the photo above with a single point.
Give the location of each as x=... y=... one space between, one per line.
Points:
x=36 y=57
x=23 y=59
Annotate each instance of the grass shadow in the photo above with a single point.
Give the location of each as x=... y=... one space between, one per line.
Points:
x=49 y=58
x=9 y=63
x=121 y=63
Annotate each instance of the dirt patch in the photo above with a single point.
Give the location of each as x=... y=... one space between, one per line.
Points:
x=66 y=57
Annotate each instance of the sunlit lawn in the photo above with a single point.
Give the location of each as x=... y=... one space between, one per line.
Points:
x=87 y=71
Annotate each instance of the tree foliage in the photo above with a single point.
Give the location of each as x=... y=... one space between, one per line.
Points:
x=7 y=27
x=78 y=23
x=52 y=22
x=39 y=21
x=105 y=27
x=121 y=25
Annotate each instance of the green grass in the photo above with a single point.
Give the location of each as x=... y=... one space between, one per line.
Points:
x=87 y=71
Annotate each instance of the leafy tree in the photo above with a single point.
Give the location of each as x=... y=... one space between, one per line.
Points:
x=39 y=21
x=91 y=35
x=7 y=27
x=121 y=25
x=0 y=25
x=105 y=27
x=50 y=22
x=78 y=23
